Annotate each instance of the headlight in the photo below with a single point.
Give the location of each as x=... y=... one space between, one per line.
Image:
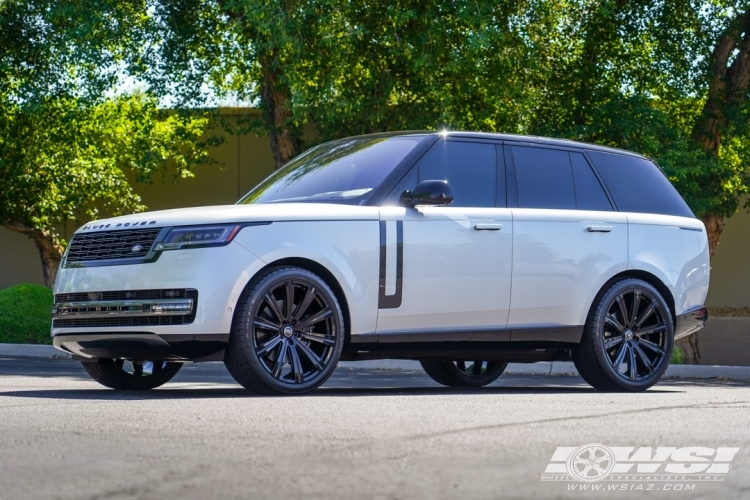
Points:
x=198 y=237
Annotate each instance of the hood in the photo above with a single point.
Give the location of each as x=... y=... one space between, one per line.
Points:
x=272 y=212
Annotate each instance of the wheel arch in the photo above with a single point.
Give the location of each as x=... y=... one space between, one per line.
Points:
x=646 y=276
x=320 y=270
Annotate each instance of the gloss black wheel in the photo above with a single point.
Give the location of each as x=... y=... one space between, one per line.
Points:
x=131 y=375
x=463 y=373
x=628 y=339
x=287 y=335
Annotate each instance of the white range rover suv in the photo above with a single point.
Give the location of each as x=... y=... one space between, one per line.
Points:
x=464 y=251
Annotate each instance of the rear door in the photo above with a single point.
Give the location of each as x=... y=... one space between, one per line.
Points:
x=567 y=242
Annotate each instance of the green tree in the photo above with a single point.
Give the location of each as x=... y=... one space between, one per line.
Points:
x=64 y=159
x=351 y=67
x=65 y=149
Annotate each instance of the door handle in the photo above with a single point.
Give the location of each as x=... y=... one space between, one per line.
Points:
x=488 y=227
x=599 y=229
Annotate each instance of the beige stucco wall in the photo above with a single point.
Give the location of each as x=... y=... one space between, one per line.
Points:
x=730 y=267
x=247 y=160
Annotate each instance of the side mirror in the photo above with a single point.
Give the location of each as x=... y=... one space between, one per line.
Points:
x=428 y=193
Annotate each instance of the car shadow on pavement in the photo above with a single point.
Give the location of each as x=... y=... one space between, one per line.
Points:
x=167 y=393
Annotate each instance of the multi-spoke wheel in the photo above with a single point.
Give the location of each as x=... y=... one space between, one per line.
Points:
x=131 y=375
x=287 y=335
x=628 y=338
x=463 y=373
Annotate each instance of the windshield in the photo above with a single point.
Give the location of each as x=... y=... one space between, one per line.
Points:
x=336 y=172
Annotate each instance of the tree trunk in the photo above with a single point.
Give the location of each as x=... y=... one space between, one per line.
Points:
x=50 y=249
x=275 y=94
x=275 y=97
x=689 y=346
x=714 y=226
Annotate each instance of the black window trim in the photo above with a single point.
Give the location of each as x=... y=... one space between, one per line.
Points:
x=510 y=170
x=601 y=180
x=511 y=184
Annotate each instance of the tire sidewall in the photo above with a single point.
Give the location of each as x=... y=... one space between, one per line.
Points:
x=598 y=326
x=245 y=331
x=479 y=380
x=109 y=374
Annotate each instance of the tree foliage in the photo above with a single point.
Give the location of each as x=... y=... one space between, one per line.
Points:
x=67 y=149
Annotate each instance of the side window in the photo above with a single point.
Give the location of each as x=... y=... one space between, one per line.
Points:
x=544 y=178
x=637 y=185
x=589 y=192
x=468 y=167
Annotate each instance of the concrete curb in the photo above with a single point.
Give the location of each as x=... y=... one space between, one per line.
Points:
x=566 y=368
x=32 y=351
x=541 y=368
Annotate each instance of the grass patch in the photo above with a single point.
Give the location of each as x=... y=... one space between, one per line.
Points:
x=25 y=314
x=678 y=356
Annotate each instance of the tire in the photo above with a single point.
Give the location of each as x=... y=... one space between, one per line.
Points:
x=287 y=334
x=627 y=340
x=113 y=374
x=458 y=374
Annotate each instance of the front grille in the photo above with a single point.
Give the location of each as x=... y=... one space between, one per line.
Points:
x=107 y=245
x=127 y=321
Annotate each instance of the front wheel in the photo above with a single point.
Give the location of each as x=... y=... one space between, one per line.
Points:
x=131 y=375
x=628 y=338
x=463 y=373
x=288 y=333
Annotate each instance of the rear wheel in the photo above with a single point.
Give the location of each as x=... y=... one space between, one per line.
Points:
x=463 y=373
x=131 y=375
x=288 y=334
x=628 y=338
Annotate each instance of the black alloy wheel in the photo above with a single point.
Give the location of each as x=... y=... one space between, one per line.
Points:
x=628 y=340
x=288 y=333
x=123 y=374
x=463 y=373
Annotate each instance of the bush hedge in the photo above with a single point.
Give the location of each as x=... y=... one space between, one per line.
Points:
x=25 y=314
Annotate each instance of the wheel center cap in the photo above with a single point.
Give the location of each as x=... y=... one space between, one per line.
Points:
x=287 y=331
x=628 y=335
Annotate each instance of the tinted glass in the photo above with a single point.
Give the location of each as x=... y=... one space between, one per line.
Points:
x=468 y=167
x=336 y=172
x=544 y=178
x=637 y=185
x=589 y=192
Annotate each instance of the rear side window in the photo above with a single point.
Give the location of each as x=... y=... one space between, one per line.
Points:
x=589 y=192
x=637 y=185
x=544 y=178
x=468 y=167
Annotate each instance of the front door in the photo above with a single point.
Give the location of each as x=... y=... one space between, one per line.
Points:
x=446 y=271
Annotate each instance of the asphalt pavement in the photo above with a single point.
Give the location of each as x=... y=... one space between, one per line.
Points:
x=381 y=434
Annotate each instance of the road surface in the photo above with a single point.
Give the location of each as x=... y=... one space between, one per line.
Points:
x=381 y=434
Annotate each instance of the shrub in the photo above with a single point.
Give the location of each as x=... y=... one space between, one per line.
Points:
x=678 y=357
x=25 y=314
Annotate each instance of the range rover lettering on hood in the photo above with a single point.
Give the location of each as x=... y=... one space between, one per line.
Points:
x=120 y=224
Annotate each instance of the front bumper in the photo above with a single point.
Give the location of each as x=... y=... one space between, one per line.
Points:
x=143 y=346
x=184 y=293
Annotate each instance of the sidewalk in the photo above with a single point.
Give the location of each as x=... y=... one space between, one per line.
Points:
x=540 y=368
